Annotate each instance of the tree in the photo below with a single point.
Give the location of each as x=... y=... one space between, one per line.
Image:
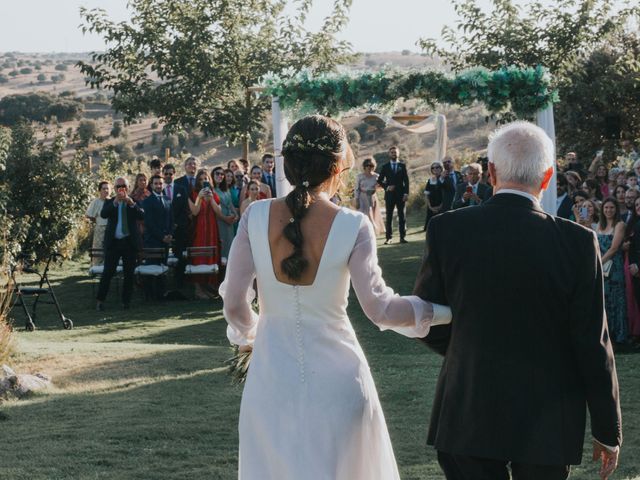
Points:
x=26 y=71
x=87 y=131
x=171 y=142
x=45 y=197
x=3 y=79
x=61 y=67
x=42 y=77
x=555 y=37
x=57 y=78
x=37 y=107
x=206 y=54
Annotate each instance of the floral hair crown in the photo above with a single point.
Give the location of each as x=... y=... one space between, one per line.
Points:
x=297 y=142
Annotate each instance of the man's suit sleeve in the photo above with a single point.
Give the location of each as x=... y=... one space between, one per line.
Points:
x=430 y=287
x=382 y=178
x=592 y=347
x=458 y=202
x=151 y=227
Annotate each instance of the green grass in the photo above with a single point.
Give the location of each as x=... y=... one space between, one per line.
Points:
x=142 y=394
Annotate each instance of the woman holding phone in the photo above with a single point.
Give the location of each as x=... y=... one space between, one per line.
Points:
x=204 y=207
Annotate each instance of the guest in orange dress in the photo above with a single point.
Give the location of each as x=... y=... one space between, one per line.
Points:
x=204 y=207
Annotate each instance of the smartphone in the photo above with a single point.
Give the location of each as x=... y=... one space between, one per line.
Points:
x=122 y=190
x=469 y=189
x=206 y=185
x=584 y=213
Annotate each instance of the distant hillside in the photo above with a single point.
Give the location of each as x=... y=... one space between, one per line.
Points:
x=21 y=73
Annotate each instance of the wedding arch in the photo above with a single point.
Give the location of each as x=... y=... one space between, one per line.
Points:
x=523 y=93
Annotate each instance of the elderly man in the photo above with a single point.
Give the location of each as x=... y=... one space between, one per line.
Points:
x=121 y=241
x=528 y=350
x=473 y=192
x=182 y=188
x=450 y=181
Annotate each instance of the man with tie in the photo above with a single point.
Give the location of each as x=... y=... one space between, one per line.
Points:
x=121 y=241
x=395 y=181
x=168 y=172
x=181 y=214
x=269 y=173
x=473 y=192
x=158 y=231
x=450 y=181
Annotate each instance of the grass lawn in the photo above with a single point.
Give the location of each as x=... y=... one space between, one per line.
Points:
x=143 y=394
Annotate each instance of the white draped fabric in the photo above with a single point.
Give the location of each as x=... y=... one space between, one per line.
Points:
x=280 y=128
x=544 y=119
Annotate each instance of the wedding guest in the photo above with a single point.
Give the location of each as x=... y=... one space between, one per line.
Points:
x=610 y=230
x=155 y=165
x=269 y=173
x=93 y=214
x=253 y=189
x=632 y=179
x=244 y=163
x=395 y=181
x=602 y=179
x=630 y=197
x=205 y=209
x=434 y=193
x=563 y=200
x=619 y=193
x=256 y=176
x=234 y=166
x=473 y=192
x=140 y=191
x=589 y=214
x=234 y=191
x=365 y=194
x=229 y=212
x=633 y=231
x=121 y=241
x=578 y=198
x=183 y=188
x=158 y=233
x=168 y=173
x=450 y=179
x=573 y=164
x=574 y=181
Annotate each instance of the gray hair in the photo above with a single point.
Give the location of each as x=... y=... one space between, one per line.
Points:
x=521 y=153
x=476 y=166
x=126 y=181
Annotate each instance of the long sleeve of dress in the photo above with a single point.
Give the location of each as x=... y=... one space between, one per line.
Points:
x=237 y=289
x=409 y=315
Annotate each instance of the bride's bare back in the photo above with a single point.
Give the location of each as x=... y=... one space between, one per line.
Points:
x=315 y=226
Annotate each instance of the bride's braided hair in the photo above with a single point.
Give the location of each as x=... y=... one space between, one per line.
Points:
x=312 y=152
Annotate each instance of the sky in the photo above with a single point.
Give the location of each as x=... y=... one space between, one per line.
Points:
x=375 y=25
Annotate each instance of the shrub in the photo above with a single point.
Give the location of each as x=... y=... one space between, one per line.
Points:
x=125 y=151
x=139 y=145
x=154 y=125
x=13 y=73
x=116 y=130
x=26 y=71
x=58 y=78
x=42 y=77
x=4 y=79
x=354 y=137
x=37 y=107
x=154 y=139
x=171 y=142
x=87 y=131
x=61 y=67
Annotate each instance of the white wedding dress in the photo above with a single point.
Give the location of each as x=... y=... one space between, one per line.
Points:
x=310 y=410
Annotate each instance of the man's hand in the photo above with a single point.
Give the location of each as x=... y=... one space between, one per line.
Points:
x=608 y=459
x=405 y=197
x=391 y=188
x=466 y=196
x=167 y=239
x=633 y=270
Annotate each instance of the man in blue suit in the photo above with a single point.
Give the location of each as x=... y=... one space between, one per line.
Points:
x=158 y=231
x=181 y=214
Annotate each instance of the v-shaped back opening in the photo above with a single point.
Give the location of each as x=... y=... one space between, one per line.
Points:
x=322 y=255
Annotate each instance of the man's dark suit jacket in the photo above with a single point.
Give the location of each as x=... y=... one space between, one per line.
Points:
x=110 y=212
x=484 y=192
x=528 y=347
x=180 y=202
x=157 y=221
x=272 y=183
x=400 y=180
x=564 y=210
x=449 y=190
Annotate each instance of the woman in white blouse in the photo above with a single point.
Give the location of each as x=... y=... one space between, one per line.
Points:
x=93 y=214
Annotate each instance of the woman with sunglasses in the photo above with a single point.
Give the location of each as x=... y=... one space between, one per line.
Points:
x=256 y=175
x=433 y=193
x=365 y=194
x=225 y=229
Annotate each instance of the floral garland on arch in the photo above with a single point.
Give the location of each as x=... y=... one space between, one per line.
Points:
x=510 y=90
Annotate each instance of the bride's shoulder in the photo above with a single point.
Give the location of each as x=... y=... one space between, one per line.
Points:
x=354 y=217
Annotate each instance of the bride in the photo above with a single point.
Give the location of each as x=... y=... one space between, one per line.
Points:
x=310 y=409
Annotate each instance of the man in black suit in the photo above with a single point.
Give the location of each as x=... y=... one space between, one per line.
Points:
x=528 y=348
x=121 y=241
x=158 y=231
x=473 y=192
x=181 y=214
x=168 y=174
x=563 y=200
x=269 y=173
x=395 y=181
x=450 y=181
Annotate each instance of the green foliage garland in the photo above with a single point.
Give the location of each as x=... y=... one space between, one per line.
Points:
x=509 y=90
